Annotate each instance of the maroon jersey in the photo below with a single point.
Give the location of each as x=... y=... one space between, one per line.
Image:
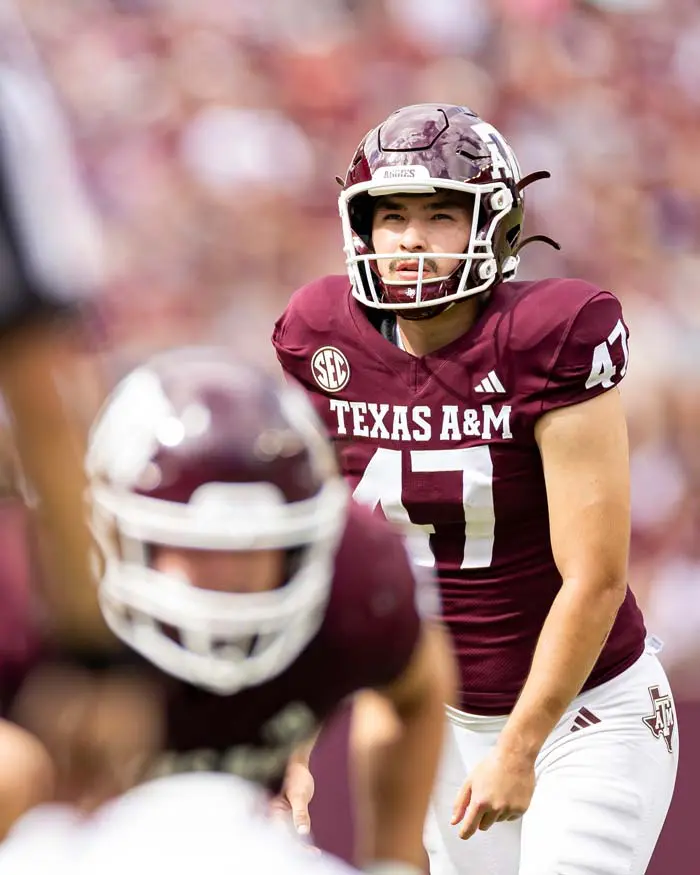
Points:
x=367 y=638
x=445 y=444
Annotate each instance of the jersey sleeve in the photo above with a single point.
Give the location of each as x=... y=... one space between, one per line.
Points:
x=591 y=357
x=289 y=338
x=387 y=606
x=314 y=318
x=388 y=652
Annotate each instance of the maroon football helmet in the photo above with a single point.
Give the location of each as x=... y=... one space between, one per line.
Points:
x=195 y=450
x=420 y=150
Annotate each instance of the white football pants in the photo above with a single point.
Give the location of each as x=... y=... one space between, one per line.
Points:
x=605 y=778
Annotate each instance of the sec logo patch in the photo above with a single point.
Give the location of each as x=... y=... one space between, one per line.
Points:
x=330 y=369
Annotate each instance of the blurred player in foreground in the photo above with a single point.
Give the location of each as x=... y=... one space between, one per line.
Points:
x=256 y=594
x=482 y=415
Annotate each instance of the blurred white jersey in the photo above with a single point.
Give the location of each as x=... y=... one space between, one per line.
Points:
x=180 y=825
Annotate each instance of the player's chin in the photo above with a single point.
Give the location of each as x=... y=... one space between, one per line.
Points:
x=400 y=296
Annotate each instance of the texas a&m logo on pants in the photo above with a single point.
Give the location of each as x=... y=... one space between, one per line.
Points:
x=330 y=369
x=662 y=721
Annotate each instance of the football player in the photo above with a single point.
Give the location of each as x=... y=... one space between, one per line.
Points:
x=255 y=594
x=482 y=415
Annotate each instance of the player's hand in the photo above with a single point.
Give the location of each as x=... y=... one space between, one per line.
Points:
x=499 y=788
x=297 y=793
x=102 y=732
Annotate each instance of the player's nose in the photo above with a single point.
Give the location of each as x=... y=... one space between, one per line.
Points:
x=413 y=238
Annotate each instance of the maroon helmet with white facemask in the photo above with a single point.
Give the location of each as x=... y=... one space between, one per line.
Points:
x=424 y=149
x=195 y=450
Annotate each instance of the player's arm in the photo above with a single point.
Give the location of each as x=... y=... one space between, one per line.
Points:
x=585 y=459
x=50 y=442
x=396 y=744
x=582 y=438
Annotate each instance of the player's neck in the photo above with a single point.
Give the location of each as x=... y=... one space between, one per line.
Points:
x=425 y=336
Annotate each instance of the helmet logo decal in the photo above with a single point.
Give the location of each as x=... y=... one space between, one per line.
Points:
x=330 y=369
x=504 y=164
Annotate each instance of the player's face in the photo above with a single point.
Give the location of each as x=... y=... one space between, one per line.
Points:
x=243 y=571
x=410 y=224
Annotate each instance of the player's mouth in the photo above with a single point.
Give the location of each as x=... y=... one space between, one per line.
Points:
x=411 y=270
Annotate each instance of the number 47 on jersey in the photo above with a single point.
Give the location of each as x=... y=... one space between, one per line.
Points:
x=382 y=482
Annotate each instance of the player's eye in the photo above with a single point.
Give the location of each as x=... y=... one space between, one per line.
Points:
x=441 y=217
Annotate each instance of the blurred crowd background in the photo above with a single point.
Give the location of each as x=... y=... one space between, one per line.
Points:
x=210 y=133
